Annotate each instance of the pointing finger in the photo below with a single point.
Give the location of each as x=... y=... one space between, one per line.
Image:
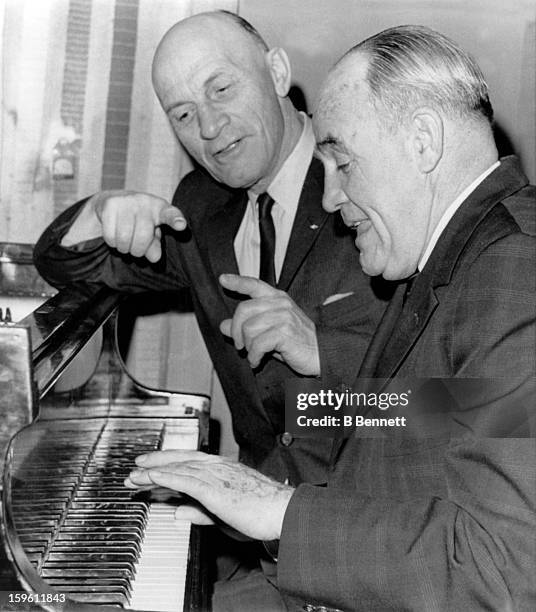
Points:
x=172 y=216
x=247 y=285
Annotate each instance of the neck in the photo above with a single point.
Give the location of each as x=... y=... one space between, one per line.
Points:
x=474 y=154
x=292 y=129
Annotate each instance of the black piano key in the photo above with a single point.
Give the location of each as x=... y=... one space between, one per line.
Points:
x=87 y=572
x=95 y=537
x=114 y=506
x=36 y=508
x=103 y=518
x=39 y=524
x=35 y=548
x=122 y=567
x=92 y=584
x=89 y=549
x=104 y=556
x=133 y=532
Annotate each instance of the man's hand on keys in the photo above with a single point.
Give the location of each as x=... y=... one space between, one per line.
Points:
x=238 y=495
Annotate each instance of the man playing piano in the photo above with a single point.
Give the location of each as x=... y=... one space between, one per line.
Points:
x=422 y=523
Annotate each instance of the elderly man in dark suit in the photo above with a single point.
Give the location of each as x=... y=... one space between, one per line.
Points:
x=432 y=522
x=225 y=94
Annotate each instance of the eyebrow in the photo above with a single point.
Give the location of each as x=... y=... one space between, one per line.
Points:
x=329 y=141
x=206 y=84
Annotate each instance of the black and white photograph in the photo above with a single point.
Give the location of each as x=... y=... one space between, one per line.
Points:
x=268 y=305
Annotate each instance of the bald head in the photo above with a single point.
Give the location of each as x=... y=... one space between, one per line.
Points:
x=214 y=34
x=225 y=94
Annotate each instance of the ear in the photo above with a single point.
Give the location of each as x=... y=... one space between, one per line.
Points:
x=427 y=135
x=279 y=67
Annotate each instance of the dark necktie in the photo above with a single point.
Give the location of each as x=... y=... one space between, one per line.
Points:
x=409 y=285
x=267 y=232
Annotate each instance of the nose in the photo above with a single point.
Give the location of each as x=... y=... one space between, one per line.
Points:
x=211 y=121
x=334 y=197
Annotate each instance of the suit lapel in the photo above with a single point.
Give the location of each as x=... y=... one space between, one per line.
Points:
x=370 y=361
x=411 y=323
x=220 y=231
x=383 y=333
x=307 y=226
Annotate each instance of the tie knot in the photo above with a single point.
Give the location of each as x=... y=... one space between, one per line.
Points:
x=265 y=202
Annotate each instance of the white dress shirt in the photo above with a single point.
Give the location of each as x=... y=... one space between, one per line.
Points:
x=285 y=190
x=449 y=213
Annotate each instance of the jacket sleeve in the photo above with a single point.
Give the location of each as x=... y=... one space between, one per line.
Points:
x=94 y=262
x=470 y=546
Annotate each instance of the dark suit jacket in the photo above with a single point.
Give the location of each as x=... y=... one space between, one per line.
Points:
x=321 y=261
x=442 y=523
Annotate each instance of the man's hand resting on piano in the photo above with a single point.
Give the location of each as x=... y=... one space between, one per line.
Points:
x=241 y=497
x=127 y=221
x=271 y=322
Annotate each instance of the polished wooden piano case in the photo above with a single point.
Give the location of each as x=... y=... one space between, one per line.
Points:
x=69 y=527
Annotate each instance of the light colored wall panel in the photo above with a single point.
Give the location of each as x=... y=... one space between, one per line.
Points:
x=33 y=46
x=155 y=162
x=98 y=78
x=500 y=35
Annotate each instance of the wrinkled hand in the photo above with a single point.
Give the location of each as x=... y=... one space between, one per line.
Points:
x=127 y=221
x=271 y=322
x=243 y=498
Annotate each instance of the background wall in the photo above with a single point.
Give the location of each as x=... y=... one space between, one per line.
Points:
x=501 y=35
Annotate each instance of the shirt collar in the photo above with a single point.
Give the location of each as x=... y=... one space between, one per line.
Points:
x=449 y=213
x=287 y=184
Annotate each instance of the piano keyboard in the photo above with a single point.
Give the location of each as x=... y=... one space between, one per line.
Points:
x=84 y=532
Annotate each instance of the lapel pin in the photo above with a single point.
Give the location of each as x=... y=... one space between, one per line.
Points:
x=314 y=226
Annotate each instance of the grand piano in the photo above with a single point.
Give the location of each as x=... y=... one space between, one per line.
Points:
x=72 y=422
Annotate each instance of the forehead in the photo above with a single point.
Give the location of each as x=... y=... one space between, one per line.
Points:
x=198 y=52
x=344 y=99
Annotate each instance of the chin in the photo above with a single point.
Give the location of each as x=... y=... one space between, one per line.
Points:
x=396 y=273
x=236 y=181
x=371 y=268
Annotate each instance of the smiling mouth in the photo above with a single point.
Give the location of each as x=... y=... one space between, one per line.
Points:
x=355 y=225
x=228 y=149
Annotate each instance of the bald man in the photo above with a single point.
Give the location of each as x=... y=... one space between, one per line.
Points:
x=225 y=94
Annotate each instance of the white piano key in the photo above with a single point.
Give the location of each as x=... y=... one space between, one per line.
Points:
x=160 y=580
